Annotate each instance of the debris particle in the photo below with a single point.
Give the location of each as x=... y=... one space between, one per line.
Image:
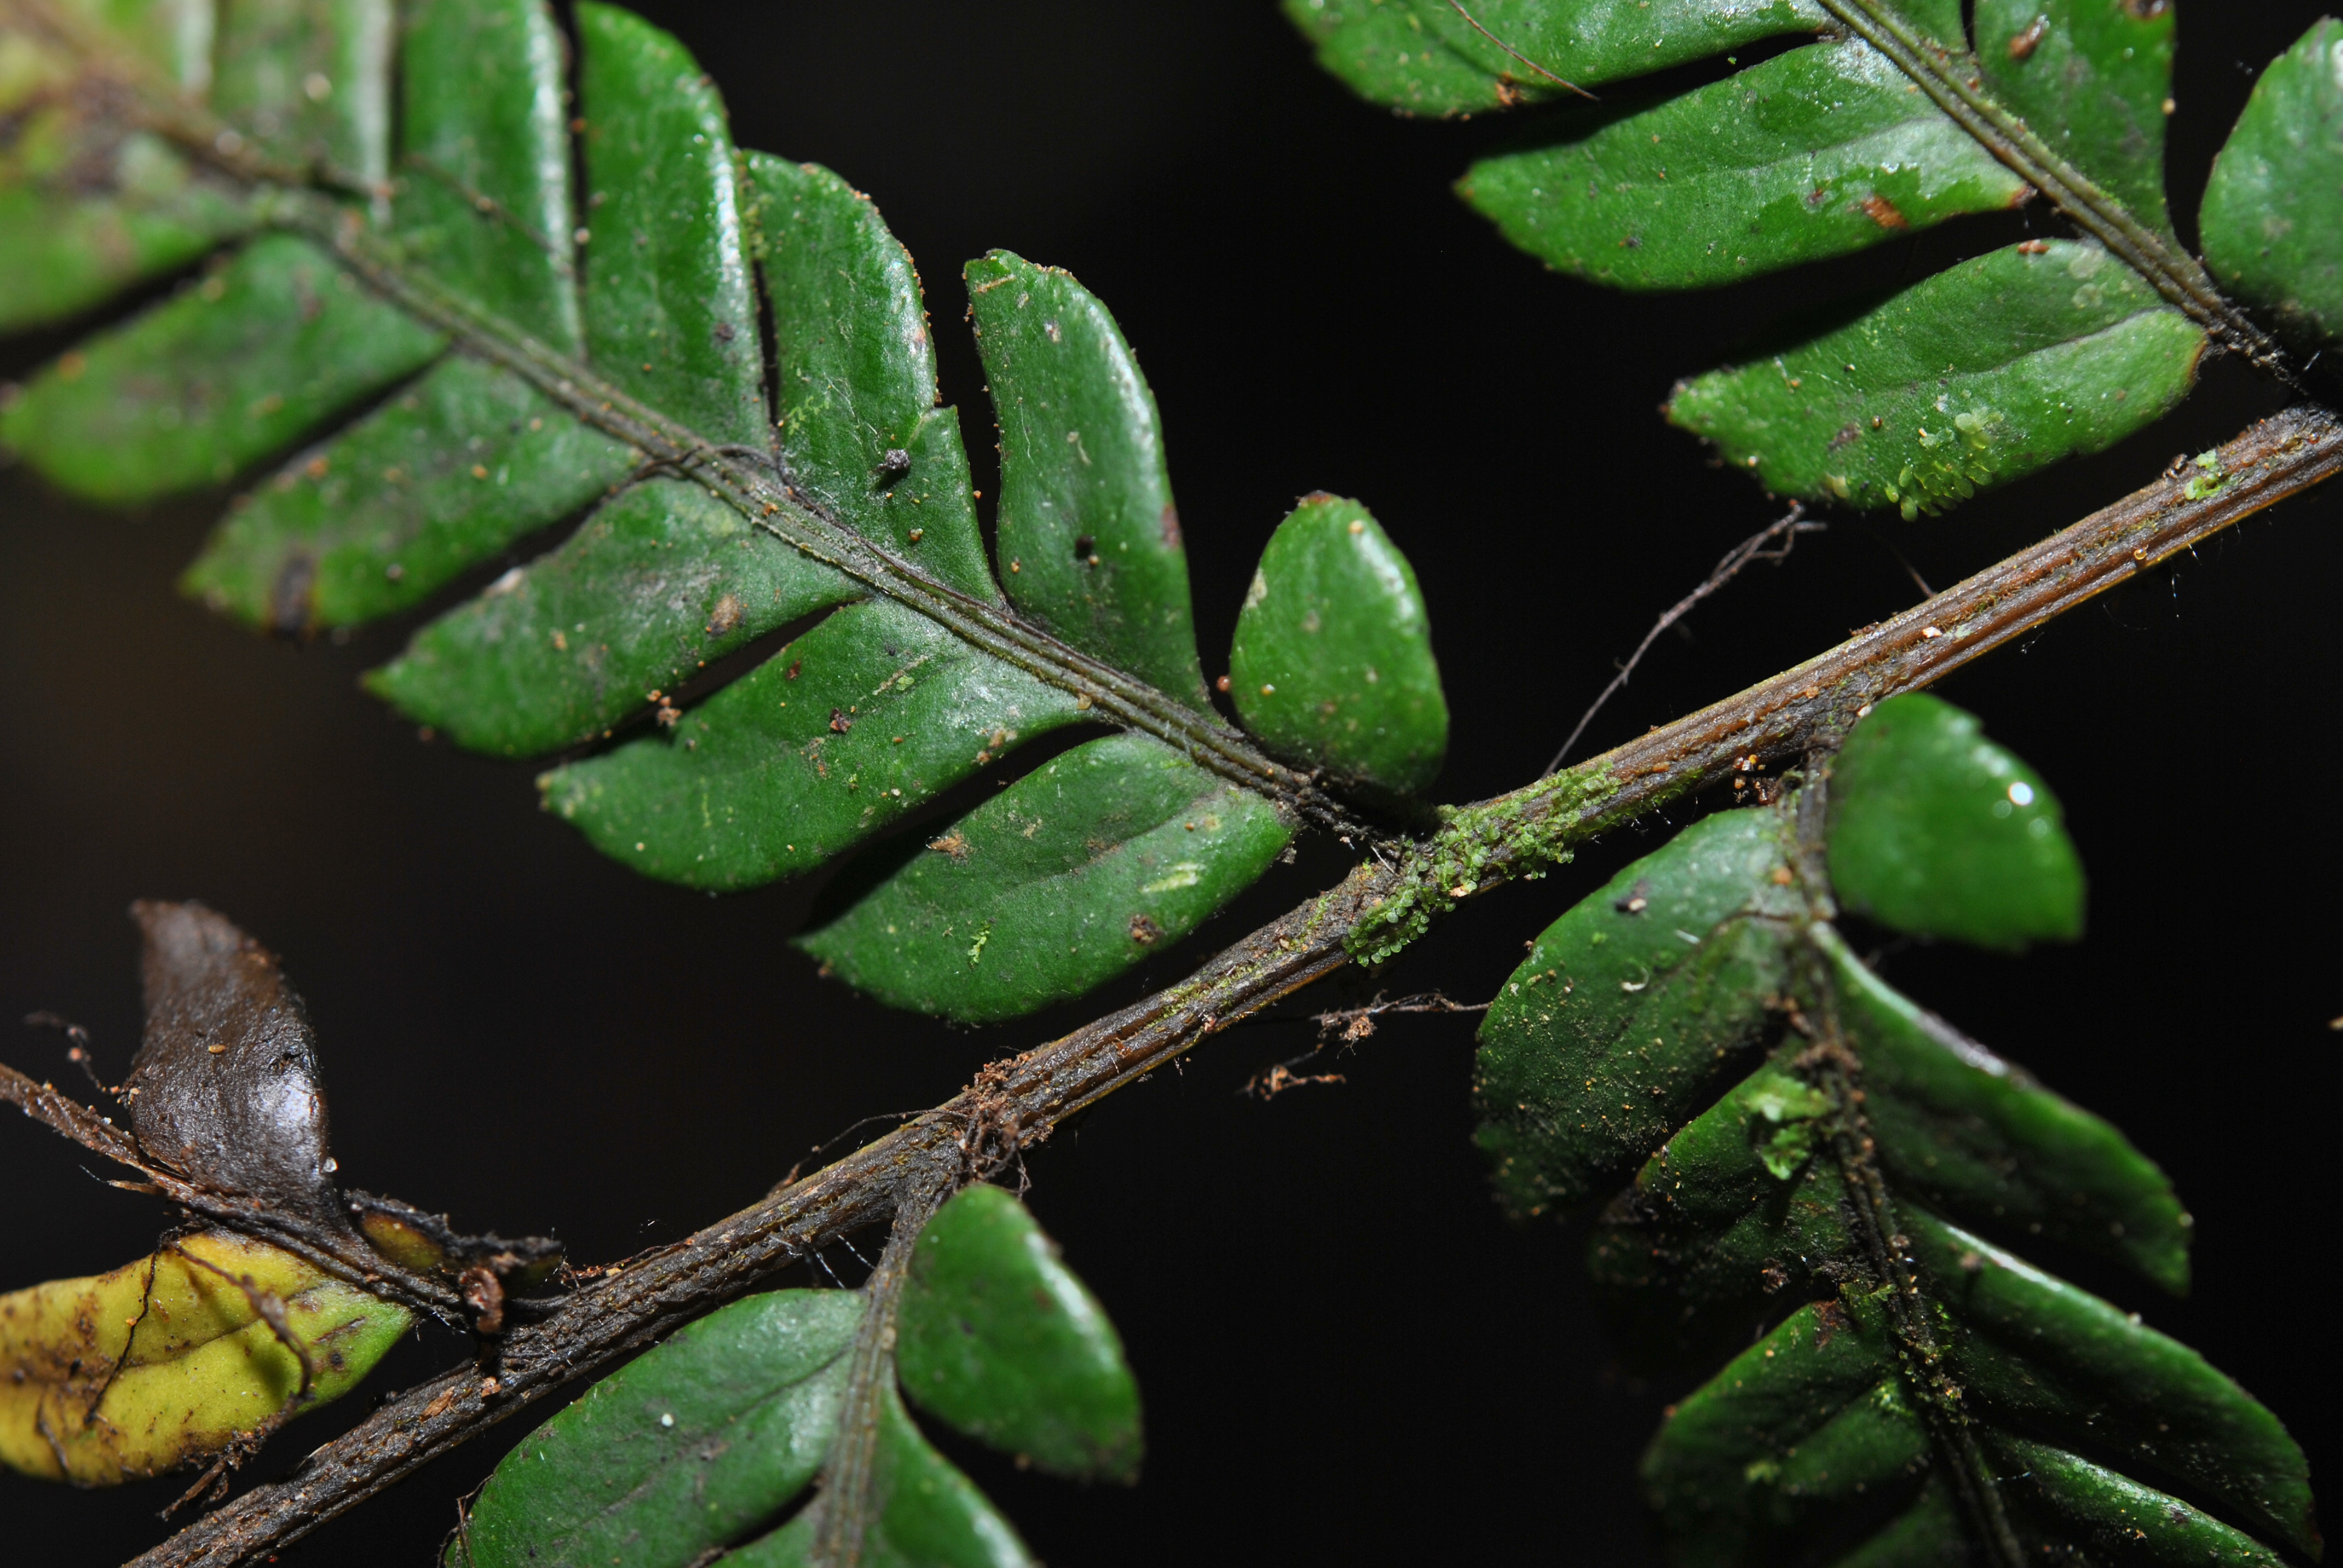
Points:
x=1281 y=1078
x=1830 y=1319
x=485 y=1294
x=1882 y=212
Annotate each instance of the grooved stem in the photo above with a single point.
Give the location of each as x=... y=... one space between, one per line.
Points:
x=847 y=1477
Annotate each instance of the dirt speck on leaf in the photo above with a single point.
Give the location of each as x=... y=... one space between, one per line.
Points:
x=1882 y=212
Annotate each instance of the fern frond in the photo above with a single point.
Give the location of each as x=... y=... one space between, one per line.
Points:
x=478 y=352
x=709 y=1444
x=1822 y=1160
x=1881 y=118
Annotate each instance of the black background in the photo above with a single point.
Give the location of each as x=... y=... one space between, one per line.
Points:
x=1346 y=1355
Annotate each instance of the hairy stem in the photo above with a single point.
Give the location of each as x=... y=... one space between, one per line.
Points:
x=1951 y=79
x=1014 y=1103
x=1786 y=529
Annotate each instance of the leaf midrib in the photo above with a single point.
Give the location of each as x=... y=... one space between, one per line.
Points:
x=1950 y=80
x=284 y=199
x=1936 y=1397
x=794 y=520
